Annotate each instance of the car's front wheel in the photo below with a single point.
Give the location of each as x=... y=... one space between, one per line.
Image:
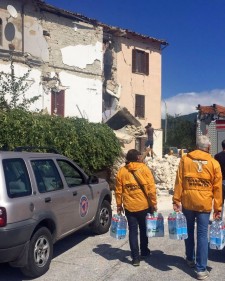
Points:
x=102 y=221
x=39 y=253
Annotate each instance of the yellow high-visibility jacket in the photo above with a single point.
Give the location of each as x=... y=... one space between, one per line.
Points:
x=198 y=182
x=128 y=193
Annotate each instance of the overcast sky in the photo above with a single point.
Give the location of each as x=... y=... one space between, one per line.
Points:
x=193 y=65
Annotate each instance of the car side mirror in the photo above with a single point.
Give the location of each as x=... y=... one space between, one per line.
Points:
x=93 y=179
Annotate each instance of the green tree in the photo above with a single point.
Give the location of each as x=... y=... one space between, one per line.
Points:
x=181 y=133
x=13 y=90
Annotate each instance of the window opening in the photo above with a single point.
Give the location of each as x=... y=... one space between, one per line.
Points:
x=58 y=103
x=140 y=62
x=139 y=106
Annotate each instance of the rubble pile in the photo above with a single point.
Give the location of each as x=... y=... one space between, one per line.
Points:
x=126 y=134
x=164 y=172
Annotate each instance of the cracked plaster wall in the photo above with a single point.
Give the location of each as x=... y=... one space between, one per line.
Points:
x=118 y=71
x=34 y=79
x=34 y=42
x=73 y=55
x=82 y=55
x=134 y=83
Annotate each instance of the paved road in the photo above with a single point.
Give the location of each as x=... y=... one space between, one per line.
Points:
x=84 y=257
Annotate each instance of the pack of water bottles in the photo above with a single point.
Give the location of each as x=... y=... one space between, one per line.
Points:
x=177 y=226
x=154 y=225
x=217 y=235
x=118 y=228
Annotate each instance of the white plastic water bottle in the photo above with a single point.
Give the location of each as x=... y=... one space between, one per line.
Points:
x=160 y=225
x=220 y=240
x=172 y=226
x=122 y=227
x=154 y=222
x=218 y=237
x=154 y=225
x=148 y=221
x=212 y=235
x=184 y=227
x=179 y=225
x=114 y=225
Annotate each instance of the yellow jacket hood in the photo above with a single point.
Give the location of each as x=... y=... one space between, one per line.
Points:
x=199 y=155
x=134 y=166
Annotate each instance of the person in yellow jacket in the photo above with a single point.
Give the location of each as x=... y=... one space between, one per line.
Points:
x=198 y=187
x=133 y=200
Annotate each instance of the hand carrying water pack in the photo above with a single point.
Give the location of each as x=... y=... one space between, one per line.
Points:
x=217 y=235
x=154 y=225
x=177 y=226
x=118 y=228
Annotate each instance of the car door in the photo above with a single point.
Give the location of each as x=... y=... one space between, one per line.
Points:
x=55 y=201
x=84 y=201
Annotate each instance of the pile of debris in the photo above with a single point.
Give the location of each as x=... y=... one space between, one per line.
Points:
x=128 y=133
x=164 y=172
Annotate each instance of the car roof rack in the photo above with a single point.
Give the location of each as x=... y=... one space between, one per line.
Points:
x=36 y=149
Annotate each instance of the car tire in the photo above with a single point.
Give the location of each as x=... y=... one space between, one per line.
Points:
x=39 y=253
x=102 y=221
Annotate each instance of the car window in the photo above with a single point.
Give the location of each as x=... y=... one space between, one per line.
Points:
x=46 y=175
x=16 y=177
x=72 y=175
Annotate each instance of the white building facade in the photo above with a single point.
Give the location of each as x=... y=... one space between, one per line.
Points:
x=64 y=52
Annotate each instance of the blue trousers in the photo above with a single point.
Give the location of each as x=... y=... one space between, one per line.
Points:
x=201 y=253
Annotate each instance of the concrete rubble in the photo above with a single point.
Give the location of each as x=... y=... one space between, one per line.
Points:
x=164 y=172
x=129 y=132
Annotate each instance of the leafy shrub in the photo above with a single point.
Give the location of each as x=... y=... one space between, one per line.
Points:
x=93 y=146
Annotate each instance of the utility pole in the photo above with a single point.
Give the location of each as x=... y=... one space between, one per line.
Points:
x=165 y=122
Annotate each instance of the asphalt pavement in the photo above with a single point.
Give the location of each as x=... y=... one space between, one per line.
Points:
x=84 y=257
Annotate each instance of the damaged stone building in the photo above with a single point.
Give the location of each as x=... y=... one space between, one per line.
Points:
x=81 y=67
x=64 y=52
x=132 y=85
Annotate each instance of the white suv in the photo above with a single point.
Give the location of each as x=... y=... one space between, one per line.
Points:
x=43 y=198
